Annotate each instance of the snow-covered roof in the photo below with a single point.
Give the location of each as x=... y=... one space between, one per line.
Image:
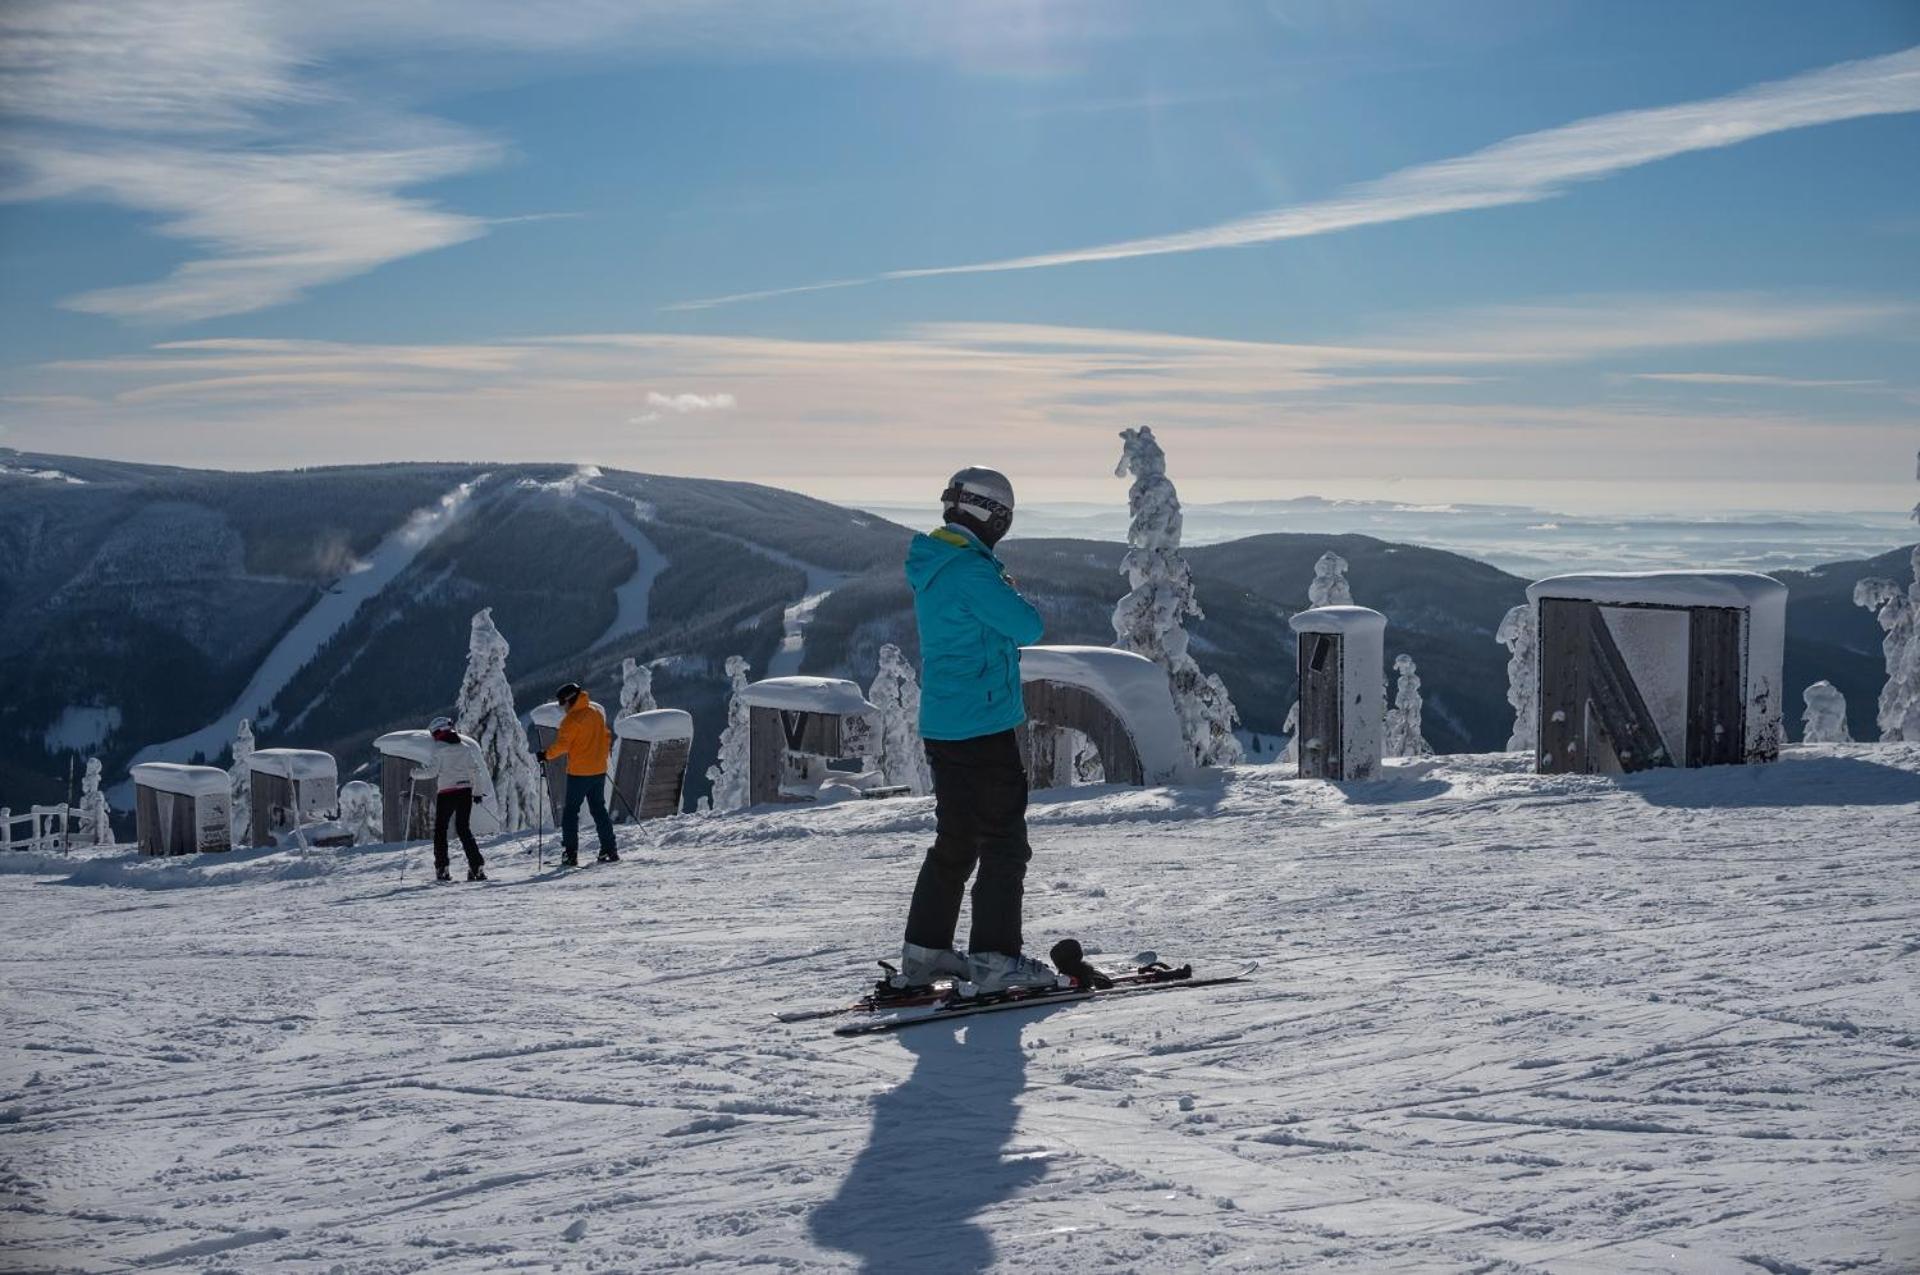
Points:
x=1663 y=588
x=833 y=695
x=659 y=723
x=1346 y=619
x=414 y=745
x=191 y=781
x=1132 y=685
x=547 y=714
x=294 y=763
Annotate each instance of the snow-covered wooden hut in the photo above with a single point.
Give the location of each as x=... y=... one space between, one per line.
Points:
x=650 y=763
x=406 y=803
x=1662 y=668
x=1343 y=697
x=180 y=809
x=292 y=788
x=798 y=728
x=544 y=724
x=1119 y=701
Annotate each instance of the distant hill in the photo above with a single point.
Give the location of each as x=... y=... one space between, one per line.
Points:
x=136 y=602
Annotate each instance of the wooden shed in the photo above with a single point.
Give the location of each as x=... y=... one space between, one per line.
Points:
x=292 y=787
x=798 y=728
x=650 y=763
x=406 y=803
x=1119 y=701
x=181 y=809
x=1341 y=654
x=1663 y=668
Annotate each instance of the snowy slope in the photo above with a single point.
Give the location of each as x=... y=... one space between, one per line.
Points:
x=1505 y=1023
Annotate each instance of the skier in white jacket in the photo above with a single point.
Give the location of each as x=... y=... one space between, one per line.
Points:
x=458 y=772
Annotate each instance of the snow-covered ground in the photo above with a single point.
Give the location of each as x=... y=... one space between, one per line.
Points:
x=1503 y=1023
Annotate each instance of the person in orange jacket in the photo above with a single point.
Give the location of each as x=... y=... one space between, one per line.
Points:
x=584 y=740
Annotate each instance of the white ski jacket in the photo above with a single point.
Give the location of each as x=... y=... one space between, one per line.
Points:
x=455 y=764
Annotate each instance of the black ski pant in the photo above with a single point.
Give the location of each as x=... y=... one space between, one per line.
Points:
x=592 y=790
x=980 y=816
x=454 y=806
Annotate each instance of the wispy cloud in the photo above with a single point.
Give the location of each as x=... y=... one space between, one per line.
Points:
x=1524 y=169
x=1754 y=378
x=659 y=404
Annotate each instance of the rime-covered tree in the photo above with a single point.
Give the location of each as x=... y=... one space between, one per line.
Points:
x=240 y=783
x=1404 y=731
x=360 y=812
x=1898 y=611
x=1519 y=633
x=729 y=773
x=896 y=693
x=1825 y=721
x=1151 y=619
x=484 y=712
x=93 y=804
x=636 y=687
x=1329 y=587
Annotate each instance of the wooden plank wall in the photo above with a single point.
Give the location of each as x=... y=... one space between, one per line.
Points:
x=1716 y=687
x=1622 y=735
x=1322 y=718
x=272 y=808
x=1060 y=704
x=556 y=770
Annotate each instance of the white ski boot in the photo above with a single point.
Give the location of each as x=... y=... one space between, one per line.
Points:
x=998 y=972
x=923 y=966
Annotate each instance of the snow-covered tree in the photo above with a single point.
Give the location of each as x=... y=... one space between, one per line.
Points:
x=1404 y=737
x=485 y=713
x=1151 y=619
x=1290 y=755
x=636 y=687
x=1898 y=611
x=1329 y=587
x=361 y=813
x=1825 y=721
x=729 y=773
x=1519 y=632
x=93 y=804
x=240 y=781
x=896 y=693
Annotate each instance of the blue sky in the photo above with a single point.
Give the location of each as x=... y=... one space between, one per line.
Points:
x=1604 y=255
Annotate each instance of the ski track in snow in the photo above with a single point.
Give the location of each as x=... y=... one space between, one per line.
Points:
x=1504 y=1023
x=631 y=598
x=821 y=581
x=309 y=633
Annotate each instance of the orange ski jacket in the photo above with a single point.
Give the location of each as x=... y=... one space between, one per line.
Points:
x=583 y=738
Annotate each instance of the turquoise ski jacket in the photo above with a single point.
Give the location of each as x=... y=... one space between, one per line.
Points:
x=973 y=623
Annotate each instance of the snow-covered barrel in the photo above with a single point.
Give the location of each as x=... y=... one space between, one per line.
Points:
x=406 y=803
x=798 y=727
x=1119 y=701
x=180 y=809
x=1343 y=696
x=1661 y=668
x=650 y=763
x=291 y=787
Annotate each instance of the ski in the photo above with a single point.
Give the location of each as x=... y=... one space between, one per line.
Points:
x=954 y=1005
x=884 y=998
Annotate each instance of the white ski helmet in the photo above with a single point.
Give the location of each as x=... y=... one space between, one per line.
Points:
x=984 y=497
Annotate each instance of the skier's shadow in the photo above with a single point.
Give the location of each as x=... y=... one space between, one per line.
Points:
x=935 y=1157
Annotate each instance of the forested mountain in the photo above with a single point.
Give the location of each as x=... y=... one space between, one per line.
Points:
x=138 y=602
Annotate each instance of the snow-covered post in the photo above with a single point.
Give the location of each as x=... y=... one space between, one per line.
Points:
x=1825 y=721
x=636 y=687
x=1404 y=737
x=896 y=693
x=93 y=804
x=1898 y=611
x=484 y=712
x=1519 y=632
x=241 y=779
x=729 y=774
x=1150 y=620
x=1329 y=587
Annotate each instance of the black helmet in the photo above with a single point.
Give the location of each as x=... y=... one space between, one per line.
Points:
x=981 y=500
x=564 y=696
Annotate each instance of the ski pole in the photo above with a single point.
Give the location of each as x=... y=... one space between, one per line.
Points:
x=546 y=799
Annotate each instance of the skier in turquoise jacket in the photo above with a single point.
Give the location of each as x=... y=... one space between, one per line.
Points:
x=972 y=623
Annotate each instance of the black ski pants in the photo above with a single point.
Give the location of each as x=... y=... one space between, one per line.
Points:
x=592 y=790
x=454 y=806
x=980 y=816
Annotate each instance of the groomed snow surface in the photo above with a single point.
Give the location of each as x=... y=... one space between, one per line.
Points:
x=1504 y=1022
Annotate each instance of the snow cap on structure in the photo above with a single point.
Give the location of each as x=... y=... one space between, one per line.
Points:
x=1133 y=686
x=547 y=713
x=1747 y=589
x=414 y=745
x=1346 y=619
x=294 y=763
x=189 y=781
x=656 y=724
x=833 y=695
